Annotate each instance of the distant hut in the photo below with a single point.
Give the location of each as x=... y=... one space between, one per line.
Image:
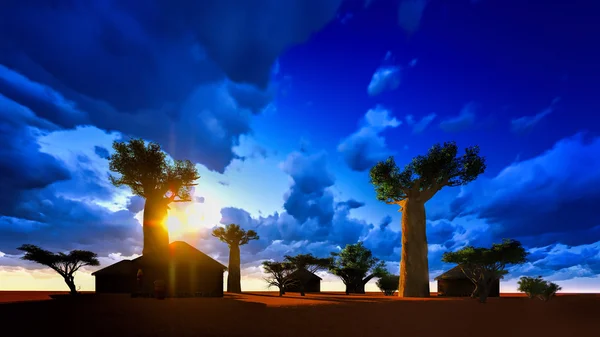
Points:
x=312 y=282
x=454 y=283
x=188 y=272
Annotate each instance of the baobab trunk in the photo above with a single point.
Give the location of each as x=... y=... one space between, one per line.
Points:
x=156 y=234
x=414 y=267
x=234 y=276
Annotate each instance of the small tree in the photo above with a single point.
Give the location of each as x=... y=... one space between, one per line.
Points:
x=148 y=173
x=538 y=287
x=64 y=264
x=388 y=284
x=410 y=189
x=483 y=266
x=356 y=266
x=307 y=262
x=279 y=275
x=234 y=236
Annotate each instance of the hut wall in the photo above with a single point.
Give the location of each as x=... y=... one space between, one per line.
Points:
x=114 y=284
x=191 y=279
x=463 y=288
x=313 y=285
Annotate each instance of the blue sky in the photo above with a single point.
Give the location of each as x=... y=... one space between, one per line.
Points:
x=285 y=106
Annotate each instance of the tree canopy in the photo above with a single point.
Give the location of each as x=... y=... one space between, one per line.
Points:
x=425 y=175
x=279 y=274
x=234 y=235
x=308 y=262
x=147 y=172
x=485 y=265
x=356 y=265
x=64 y=264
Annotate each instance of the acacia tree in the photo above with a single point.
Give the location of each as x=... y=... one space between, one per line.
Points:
x=279 y=274
x=147 y=172
x=234 y=236
x=484 y=266
x=64 y=264
x=356 y=266
x=307 y=263
x=410 y=189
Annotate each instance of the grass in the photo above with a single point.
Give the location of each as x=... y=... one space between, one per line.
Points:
x=324 y=314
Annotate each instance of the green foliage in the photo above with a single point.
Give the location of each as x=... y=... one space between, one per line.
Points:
x=538 y=287
x=64 y=264
x=308 y=262
x=279 y=274
x=388 y=284
x=148 y=173
x=440 y=167
x=356 y=265
x=485 y=265
x=234 y=235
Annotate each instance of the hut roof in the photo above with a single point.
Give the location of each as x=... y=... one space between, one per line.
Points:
x=179 y=251
x=453 y=274
x=303 y=273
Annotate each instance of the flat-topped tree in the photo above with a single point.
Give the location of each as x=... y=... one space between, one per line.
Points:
x=147 y=172
x=234 y=236
x=356 y=266
x=410 y=189
x=279 y=275
x=307 y=263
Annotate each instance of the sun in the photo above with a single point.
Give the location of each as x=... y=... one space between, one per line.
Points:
x=186 y=219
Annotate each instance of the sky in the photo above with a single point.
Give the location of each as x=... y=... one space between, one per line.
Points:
x=284 y=106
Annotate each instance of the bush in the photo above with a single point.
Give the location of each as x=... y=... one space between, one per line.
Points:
x=388 y=284
x=537 y=287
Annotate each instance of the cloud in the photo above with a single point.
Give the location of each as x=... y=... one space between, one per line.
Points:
x=386 y=78
x=547 y=199
x=101 y=152
x=140 y=69
x=410 y=13
x=422 y=124
x=526 y=123
x=463 y=121
x=365 y=147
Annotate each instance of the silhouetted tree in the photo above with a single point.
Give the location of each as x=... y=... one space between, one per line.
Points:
x=410 y=189
x=356 y=266
x=279 y=274
x=148 y=173
x=388 y=284
x=234 y=236
x=538 y=287
x=64 y=264
x=309 y=263
x=483 y=266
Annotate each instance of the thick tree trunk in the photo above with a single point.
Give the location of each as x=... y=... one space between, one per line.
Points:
x=70 y=281
x=156 y=234
x=234 y=276
x=280 y=291
x=347 y=289
x=414 y=267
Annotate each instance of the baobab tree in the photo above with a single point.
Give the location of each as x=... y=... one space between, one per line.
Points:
x=146 y=170
x=410 y=189
x=66 y=265
x=234 y=236
x=356 y=266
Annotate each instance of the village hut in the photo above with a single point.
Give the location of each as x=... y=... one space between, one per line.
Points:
x=185 y=270
x=312 y=282
x=454 y=283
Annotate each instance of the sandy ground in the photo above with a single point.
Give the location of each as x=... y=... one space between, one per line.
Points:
x=325 y=314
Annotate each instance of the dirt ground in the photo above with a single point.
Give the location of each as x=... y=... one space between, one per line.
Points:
x=324 y=314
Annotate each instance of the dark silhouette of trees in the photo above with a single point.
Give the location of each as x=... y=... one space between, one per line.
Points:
x=279 y=274
x=64 y=264
x=483 y=266
x=410 y=189
x=388 y=284
x=538 y=287
x=148 y=173
x=356 y=265
x=309 y=263
x=234 y=236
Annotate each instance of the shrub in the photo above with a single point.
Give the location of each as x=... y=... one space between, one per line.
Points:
x=537 y=287
x=388 y=284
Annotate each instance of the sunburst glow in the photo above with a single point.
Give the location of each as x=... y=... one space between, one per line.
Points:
x=186 y=219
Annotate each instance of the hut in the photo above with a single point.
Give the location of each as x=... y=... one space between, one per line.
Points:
x=312 y=282
x=454 y=283
x=185 y=270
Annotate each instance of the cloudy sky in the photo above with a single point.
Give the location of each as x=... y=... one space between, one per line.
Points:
x=284 y=106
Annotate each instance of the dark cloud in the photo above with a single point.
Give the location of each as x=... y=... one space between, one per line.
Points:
x=442 y=232
x=150 y=70
x=464 y=120
x=136 y=204
x=364 y=148
x=547 y=199
x=101 y=152
x=386 y=221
